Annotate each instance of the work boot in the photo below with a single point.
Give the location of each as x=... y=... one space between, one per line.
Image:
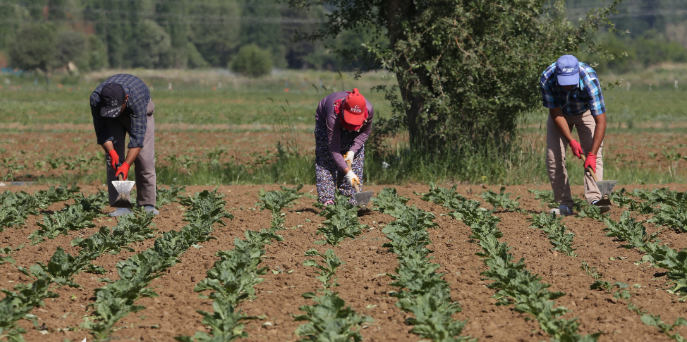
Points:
x=150 y=209
x=120 y=212
x=562 y=210
x=603 y=208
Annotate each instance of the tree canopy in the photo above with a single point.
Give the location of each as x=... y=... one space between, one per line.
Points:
x=466 y=68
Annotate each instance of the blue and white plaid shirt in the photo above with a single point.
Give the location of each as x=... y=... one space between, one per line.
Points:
x=585 y=96
x=139 y=96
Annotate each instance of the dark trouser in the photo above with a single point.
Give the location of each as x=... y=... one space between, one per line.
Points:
x=144 y=165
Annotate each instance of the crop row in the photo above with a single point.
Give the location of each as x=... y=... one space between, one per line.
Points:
x=422 y=291
x=559 y=235
x=73 y=217
x=329 y=319
x=341 y=221
x=16 y=207
x=62 y=266
x=117 y=299
x=512 y=282
x=233 y=276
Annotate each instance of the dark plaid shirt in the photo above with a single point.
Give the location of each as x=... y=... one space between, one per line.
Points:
x=139 y=96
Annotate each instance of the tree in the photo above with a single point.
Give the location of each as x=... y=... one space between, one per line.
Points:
x=151 y=48
x=252 y=61
x=71 y=47
x=215 y=32
x=260 y=25
x=465 y=68
x=34 y=47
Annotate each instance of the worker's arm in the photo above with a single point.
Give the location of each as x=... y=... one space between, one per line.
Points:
x=561 y=123
x=131 y=156
x=599 y=132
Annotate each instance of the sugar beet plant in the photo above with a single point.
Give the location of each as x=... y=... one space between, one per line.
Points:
x=18 y=303
x=341 y=221
x=422 y=291
x=275 y=201
x=441 y=195
x=231 y=280
x=16 y=207
x=117 y=299
x=634 y=233
x=62 y=266
x=514 y=284
x=166 y=196
x=545 y=197
x=329 y=319
x=71 y=218
x=553 y=226
x=501 y=200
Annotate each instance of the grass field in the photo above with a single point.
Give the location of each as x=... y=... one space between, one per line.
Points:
x=213 y=128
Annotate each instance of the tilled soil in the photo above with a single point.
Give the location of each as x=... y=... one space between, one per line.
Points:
x=364 y=285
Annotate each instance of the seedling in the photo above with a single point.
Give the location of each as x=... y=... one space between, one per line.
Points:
x=341 y=221
x=275 y=201
x=545 y=196
x=327 y=270
x=501 y=200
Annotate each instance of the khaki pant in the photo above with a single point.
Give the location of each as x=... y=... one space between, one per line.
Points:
x=556 y=146
x=144 y=163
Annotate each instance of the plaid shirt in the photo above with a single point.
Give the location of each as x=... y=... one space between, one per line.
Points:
x=139 y=95
x=585 y=96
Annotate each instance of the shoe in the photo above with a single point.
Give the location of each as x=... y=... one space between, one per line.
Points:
x=562 y=210
x=603 y=208
x=120 y=212
x=150 y=209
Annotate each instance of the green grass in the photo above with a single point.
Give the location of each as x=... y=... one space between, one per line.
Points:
x=238 y=102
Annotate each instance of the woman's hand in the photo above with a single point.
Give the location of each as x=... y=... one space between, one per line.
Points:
x=349 y=156
x=352 y=178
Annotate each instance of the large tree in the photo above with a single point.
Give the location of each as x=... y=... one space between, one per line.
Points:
x=466 y=68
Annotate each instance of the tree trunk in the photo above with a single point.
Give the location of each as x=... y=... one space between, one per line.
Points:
x=419 y=129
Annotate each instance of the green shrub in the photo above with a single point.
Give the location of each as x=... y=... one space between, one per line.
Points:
x=252 y=61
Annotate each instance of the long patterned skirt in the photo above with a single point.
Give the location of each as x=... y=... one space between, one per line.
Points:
x=329 y=178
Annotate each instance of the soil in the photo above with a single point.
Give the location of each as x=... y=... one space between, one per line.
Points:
x=363 y=283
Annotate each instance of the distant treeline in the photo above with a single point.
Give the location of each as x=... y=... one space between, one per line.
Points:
x=95 y=34
x=654 y=31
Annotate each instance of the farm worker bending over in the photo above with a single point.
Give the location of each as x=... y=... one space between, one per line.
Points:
x=343 y=124
x=572 y=93
x=119 y=105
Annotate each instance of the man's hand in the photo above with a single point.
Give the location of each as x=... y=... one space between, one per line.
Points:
x=352 y=179
x=113 y=158
x=576 y=149
x=349 y=156
x=590 y=162
x=123 y=170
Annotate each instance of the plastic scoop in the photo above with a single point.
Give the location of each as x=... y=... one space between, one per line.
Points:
x=123 y=189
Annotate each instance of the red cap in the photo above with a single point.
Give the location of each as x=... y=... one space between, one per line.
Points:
x=354 y=108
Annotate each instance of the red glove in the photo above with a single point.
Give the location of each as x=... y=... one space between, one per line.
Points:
x=576 y=148
x=114 y=158
x=124 y=170
x=590 y=162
